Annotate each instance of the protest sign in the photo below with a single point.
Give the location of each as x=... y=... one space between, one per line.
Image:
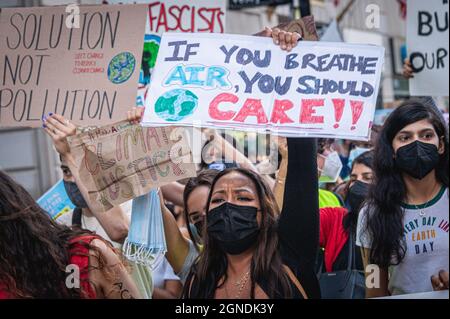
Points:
x=121 y=161
x=427 y=43
x=247 y=83
x=174 y=16
x=56 y=202
x=80 y=64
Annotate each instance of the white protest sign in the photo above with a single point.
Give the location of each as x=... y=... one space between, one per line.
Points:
x=248 y=83
x=427 y=43
x=174 y=16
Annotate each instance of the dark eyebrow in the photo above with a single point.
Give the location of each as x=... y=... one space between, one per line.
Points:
x=427 y=130
x=219 y=192
x=242 y=190
x=421 y=131
x=237 y=190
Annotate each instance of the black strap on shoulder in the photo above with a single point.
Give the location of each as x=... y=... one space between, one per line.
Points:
x=76 y=217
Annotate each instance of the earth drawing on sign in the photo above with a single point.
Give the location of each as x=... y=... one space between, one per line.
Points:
x=176 y=105
x=121 y=67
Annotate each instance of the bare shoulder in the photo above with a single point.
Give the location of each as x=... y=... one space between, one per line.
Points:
x=105 y=252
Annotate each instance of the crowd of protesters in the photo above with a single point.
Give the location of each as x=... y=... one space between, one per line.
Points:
x=234 y=233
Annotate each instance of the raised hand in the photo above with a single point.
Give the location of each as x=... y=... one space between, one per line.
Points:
x=59 y=128
x=286 y=40
x=408 y=72
x=282 y=147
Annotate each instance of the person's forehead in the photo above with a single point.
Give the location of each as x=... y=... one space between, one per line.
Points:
x=361 y=168
x=418 y=126
x=234 y=179
x=198 y=192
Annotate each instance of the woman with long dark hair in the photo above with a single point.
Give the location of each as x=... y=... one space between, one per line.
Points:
x=403 y=229
x=250 y=249
x=42 y=259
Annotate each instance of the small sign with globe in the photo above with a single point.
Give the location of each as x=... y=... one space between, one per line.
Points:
x=176 y=105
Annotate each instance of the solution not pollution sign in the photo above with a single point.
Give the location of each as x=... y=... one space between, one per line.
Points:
x=81 y=63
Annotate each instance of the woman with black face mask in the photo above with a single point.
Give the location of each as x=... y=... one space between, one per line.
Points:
x=252 y=251
x=338 y=224
x=403 y=229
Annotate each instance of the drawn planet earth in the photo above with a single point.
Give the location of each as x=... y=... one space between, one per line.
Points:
x=121 y=67
x=176 y=105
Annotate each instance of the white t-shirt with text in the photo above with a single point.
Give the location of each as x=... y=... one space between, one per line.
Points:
x=426 y=236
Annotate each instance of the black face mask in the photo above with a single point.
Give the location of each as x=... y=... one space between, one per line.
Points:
x=234 y=227
x=75 y=195
x=356 y=195
x=417 y=159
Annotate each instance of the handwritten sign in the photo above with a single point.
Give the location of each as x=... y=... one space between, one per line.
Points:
x=122 y=161
x=56 y=202
x=83 y=66
x=427 y=44
x=248 y=83
x=174 y=16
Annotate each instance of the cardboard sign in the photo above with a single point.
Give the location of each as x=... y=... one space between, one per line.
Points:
x=174 y=16
x=83 y=65
x=56 y=202
x=427 y=44
x=247 y=83
x=122 y=161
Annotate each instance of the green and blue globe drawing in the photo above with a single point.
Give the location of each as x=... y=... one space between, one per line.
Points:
x=121 y=67
x=176 y=105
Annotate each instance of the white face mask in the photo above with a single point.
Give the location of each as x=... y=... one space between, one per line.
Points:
x=331 y=169
x=355 y=153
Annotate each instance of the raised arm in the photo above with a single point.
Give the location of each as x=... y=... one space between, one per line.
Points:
x=232 y=154
x=173 y=192
x=281 y=177
x=177 y=244
x=114 y=221
x=299 y=220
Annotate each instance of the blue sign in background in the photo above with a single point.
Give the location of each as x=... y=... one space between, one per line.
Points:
x=55 y=201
